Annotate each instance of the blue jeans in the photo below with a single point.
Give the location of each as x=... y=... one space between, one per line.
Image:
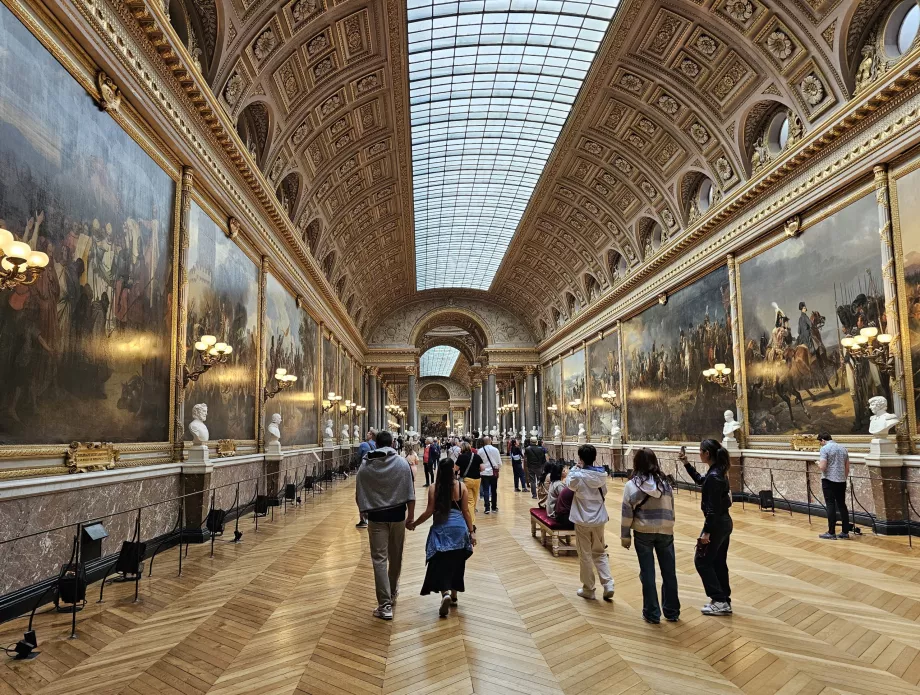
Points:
x=647 y=546
x=519 y=477
x=490 y=491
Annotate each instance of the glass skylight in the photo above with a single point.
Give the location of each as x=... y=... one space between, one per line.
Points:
x=438 y=361
x=491 y=84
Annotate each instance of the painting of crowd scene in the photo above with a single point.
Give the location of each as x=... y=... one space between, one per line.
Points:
x=330 y=368
x=85 y=350
x=799 y=299
x=603 y=376
x=573 y=388
x=223 y=301
x=552 y=382
x=909 y=218
x=291 y=343
x=666 y=348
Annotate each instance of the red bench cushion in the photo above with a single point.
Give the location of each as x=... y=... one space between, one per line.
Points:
x=554 y=525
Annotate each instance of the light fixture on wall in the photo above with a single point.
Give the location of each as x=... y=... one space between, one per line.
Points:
x=509 y=408
x=871 y=345
x=720 y=375
x=577 y=406
x=346 y=406
x=330 y=401
x=211 y=352
x=282 y=379
x=612 y=398
x=552 y=408
x=19 y=264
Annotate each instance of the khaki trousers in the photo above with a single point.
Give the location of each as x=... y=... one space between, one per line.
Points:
x=386 y=539
x=472 y=486
x=592 y=554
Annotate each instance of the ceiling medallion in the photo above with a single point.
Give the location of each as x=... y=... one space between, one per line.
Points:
x=739 y=10
x=812 y=90
x=779 y=45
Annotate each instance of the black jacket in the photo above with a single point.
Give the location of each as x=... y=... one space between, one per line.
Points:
x=716 y=496
x=535 y=457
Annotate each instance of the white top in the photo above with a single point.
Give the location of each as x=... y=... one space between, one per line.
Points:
x=491 y=458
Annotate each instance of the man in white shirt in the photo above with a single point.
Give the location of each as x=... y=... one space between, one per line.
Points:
x=454 y=452
x=493 y=462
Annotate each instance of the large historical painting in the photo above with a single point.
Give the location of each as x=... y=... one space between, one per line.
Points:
x=85 y=351
x=552 y=383
x=290 y=342
x=223 y=301
x=573 y=388
x=798 y=300
x=666 y=349
x=330 y=368
x=603 y=376
x=908 y=198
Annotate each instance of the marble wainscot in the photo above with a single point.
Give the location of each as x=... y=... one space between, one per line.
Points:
x=30 y=505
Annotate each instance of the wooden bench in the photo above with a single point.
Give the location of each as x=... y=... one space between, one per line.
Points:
x=555 y=530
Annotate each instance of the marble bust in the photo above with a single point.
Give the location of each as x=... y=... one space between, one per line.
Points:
x=616 y=433
x=731 y=426
x=881 y=421
x=581 y=429
x=274 y=429
x=557 y=433
x=328 y=433
x=197 y=427
x=344 y=433
x=533 y=431
x=356 y=435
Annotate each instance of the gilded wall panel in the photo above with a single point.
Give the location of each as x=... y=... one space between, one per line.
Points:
x=85 y=351
x=223 y=301
x=552 y=392
x=603 y=376
x=291 y=342
x=573 y=388
x=908 y=211
x=666 y=348
x=799 y=298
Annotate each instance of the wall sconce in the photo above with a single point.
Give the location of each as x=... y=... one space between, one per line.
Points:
x=509 y=408
x=346 y=406
x=612 y=398
x=211 y=353
x=283 y=380
x=330 y=401
x=871 y=345
x=720 y=375
x=19 y=264
x=577 y=406
x=552 y=408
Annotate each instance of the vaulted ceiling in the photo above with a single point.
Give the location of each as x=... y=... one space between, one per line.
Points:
x=676 y=100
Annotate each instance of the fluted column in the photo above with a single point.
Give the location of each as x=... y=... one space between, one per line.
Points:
x=519 y=381
x=491 y=408
x=528 y=402
x=476 y=403
x=411 y=409
x=372 y=392
x=539 y=417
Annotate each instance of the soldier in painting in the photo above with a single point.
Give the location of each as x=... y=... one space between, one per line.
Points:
x=805 y=336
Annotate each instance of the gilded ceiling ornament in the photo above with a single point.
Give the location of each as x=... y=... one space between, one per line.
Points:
x=602 y=189
x=323 y=68
x=233 y=89
x=635 y=140
x=591 y=207
x=579 y=216
x=739 y=10
x=317 y=44
x=631 y=83
x=779 y=45
x=338 y=126
x=264 y=45
x=302 y=9
x=342 y=142
x=623 y=165
x=366 y=84
x=610 y=178
x=668 y=104
x=648 y=189
x=109 y=94
x=289 y=80
x=353 y=34
x=377 y=148
x=699 y=133
x=566 y=193
x=593 y=147
x=646 y=126
x=868 y=66
x=315 y=153
x=689 y=68
x=668 y=217
x=276 y=169
x=349 y=164
x=812 y=89
x=724 y=169
x=761 y=154
x=353 y=180
x=331 y=105
x=792 y=226
x=796 y=129
x=706 y=44
x=233 y=228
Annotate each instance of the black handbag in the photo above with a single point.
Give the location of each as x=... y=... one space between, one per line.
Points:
x=701 y=549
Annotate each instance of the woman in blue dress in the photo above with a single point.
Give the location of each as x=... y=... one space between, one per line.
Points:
x=450 y=539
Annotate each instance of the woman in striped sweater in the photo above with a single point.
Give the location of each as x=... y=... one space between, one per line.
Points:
x=648 y=514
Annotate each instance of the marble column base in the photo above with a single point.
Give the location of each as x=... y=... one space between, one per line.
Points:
x=196 y=479
x=886 y=473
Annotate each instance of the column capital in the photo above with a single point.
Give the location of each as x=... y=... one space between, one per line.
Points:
x=476 y=383
x=518 y=376
x=373 y=371
x=529 y=369
x=491 y=371
x=412 y=370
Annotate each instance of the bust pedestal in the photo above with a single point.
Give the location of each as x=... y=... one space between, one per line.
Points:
x=582 y=438
x=732 y=446
x=883 y=453
x=196 y=479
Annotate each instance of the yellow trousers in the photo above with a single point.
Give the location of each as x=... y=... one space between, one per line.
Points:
x=472 y=486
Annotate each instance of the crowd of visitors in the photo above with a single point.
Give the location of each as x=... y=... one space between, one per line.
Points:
x=460 y=470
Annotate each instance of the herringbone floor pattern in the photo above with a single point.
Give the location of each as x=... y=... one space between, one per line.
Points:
x=289 y=611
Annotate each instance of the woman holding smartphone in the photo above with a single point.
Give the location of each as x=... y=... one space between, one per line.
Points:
x=712 y=547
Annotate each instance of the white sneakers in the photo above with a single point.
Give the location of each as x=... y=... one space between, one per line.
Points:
x=591 y=595
x=444 y=610
x=717 y=608
x=384 y=612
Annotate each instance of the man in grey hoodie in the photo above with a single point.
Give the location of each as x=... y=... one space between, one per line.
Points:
x=589 y=483
x=384 y=491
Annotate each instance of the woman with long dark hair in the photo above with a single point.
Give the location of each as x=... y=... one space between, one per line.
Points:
x=712 y=547
x=450 y=539
x=648 y=514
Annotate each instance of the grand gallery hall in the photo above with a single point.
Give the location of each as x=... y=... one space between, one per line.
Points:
x=459 y=346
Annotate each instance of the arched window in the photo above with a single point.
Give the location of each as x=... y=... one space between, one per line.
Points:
x=252 y=126
x=705 y=195
x=571 y=303
x=311 y=235
x=592 y=287
x=901 y=28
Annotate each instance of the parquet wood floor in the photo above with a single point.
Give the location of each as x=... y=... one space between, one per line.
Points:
x=289 y=612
